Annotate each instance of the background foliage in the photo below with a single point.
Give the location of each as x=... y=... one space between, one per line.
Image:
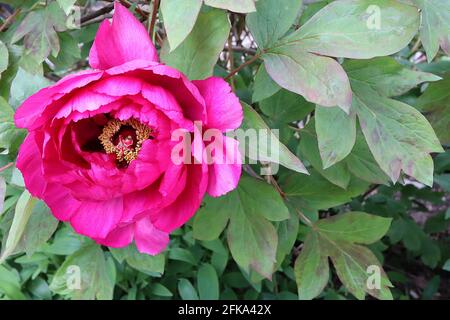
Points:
x=295 y=66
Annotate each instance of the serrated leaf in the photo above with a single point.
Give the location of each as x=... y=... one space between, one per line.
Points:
x=207 y=283
x=275 y=151
x=152 y=265
x=97 y=275
x=359 y=29
x=22 y=214
x=435 y=104
x=399 y=136
x=272 y=20
x=318 y=79
x=386 y=75
x=285 y=107
x=10 y=136
x=179 y=19
x=240 y=6
x=24 y=85
x=199 y=52
x=264 y=86
x=336 y=134
x=435 y=26
x=39 y=30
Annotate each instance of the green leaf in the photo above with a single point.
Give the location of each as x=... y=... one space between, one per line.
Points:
x=336 y=134
x=309 y=190
x=240 y=6
x=212 y=218
x=187 y=290
x=285 y=107
x=362 y=164
x=24 y=85
x=97 y=275
x=161 y=291
x=10 y=284
x=359 y=29
x=152 y=265
x=199 y=52
x=10 y=136
x=39 y=31
x=2 y=193
x=386 y=75
x=272 y=20
x=356 y=266
x=338 y=174
x=39 y=229
x=4 y=57
x=252 y=239
x=399 y=136
x=66 y=5
x=184 y=255
x=179 y=19
x=311 y=268
x=264 y=86
x=435 y=104
x=318 y=79
x=275 y=151
x=435 y=26
x=357 y=227
x=22 y=214
x=207 y=283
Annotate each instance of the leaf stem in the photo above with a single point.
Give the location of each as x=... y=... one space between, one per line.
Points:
x=248 y=62
x=9 y=19
x=151 y=28
x=6 y=166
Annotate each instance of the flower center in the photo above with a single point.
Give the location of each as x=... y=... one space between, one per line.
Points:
x=124 y=139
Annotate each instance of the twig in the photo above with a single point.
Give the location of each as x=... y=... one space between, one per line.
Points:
x=9 y=19
x=231 y=58
x=248 y=62
x=6 y=166
x=97 y=13
x=153 y=20
x=241 y=49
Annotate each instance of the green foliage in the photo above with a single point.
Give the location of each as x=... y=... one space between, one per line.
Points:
x=354 y=92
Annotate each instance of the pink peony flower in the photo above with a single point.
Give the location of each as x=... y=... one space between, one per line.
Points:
x=99 y=145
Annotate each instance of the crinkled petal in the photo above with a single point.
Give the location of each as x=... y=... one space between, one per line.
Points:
x=223 y=109
x=126 y=39
x=119 y=237
x=225 y=173
x=96 y=219
x=149 y=239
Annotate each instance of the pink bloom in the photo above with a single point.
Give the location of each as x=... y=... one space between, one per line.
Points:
x=98 y=151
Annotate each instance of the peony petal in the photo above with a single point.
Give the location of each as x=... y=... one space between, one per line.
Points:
x=187 y=203
x=96 y=219
x=62 y=204
x=149 y=239
x=32 y=108
x=126 y=39
x=224 y=112
x=119 y=237
x=225 y=173
x=29 y=162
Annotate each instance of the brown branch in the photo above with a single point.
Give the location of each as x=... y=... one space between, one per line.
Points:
x=153 y=20
x=249 y=51
x=9 y=19
x=6 y=166
x=100 y=12
x=248 y=62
